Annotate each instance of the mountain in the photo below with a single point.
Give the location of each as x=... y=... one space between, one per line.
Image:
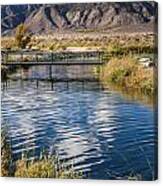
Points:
x=47 y=18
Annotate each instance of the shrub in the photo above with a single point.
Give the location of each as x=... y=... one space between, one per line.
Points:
x=22 y=38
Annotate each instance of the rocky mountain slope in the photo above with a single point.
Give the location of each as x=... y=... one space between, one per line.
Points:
x=47 y=18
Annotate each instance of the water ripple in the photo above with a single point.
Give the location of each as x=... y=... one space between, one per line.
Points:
x=100 y=132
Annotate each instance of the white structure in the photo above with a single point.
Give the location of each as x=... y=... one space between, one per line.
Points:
x=145 y=61
x=82 y=49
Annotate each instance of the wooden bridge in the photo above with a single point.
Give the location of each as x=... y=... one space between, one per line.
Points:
x=25 y=57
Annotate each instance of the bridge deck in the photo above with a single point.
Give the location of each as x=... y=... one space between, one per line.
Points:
x=76 y=79
x=69 y=62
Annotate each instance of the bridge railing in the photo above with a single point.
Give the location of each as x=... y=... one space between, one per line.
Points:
x=35 y=56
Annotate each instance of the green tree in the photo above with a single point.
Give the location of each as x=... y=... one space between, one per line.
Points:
x=22 y=37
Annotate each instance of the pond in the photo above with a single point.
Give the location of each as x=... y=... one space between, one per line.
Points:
x=99 y=131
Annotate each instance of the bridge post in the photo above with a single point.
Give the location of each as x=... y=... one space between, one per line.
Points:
x=67 y=85
x=6 y=57
x=50 y=71
x=37 y=83
x=36 y=57
x=21 y=83
x=82 y=85
x=3 y=85
x=52 y=56
x=67 y=58
x=21 y=56
x=52 y=86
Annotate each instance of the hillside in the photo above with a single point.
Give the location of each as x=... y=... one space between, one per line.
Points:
x=48 y=18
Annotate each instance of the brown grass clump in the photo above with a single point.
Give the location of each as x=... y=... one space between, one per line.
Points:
x=39 y=169
x=127 y=73
x=47 y=167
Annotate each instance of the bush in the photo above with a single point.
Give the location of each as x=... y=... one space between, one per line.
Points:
x=22 y=38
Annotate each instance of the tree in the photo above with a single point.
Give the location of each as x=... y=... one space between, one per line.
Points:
x=22 y=37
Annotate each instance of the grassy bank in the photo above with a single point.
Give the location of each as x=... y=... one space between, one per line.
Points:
x=127 y=73
x=45 y=166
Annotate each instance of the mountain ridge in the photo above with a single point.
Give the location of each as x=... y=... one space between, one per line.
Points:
x=48 y=18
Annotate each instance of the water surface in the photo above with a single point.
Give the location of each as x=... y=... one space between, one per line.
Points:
x=97 y=130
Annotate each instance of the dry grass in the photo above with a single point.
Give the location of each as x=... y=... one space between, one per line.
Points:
x=47 y=167
x=127 y=73
x=115 y=44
